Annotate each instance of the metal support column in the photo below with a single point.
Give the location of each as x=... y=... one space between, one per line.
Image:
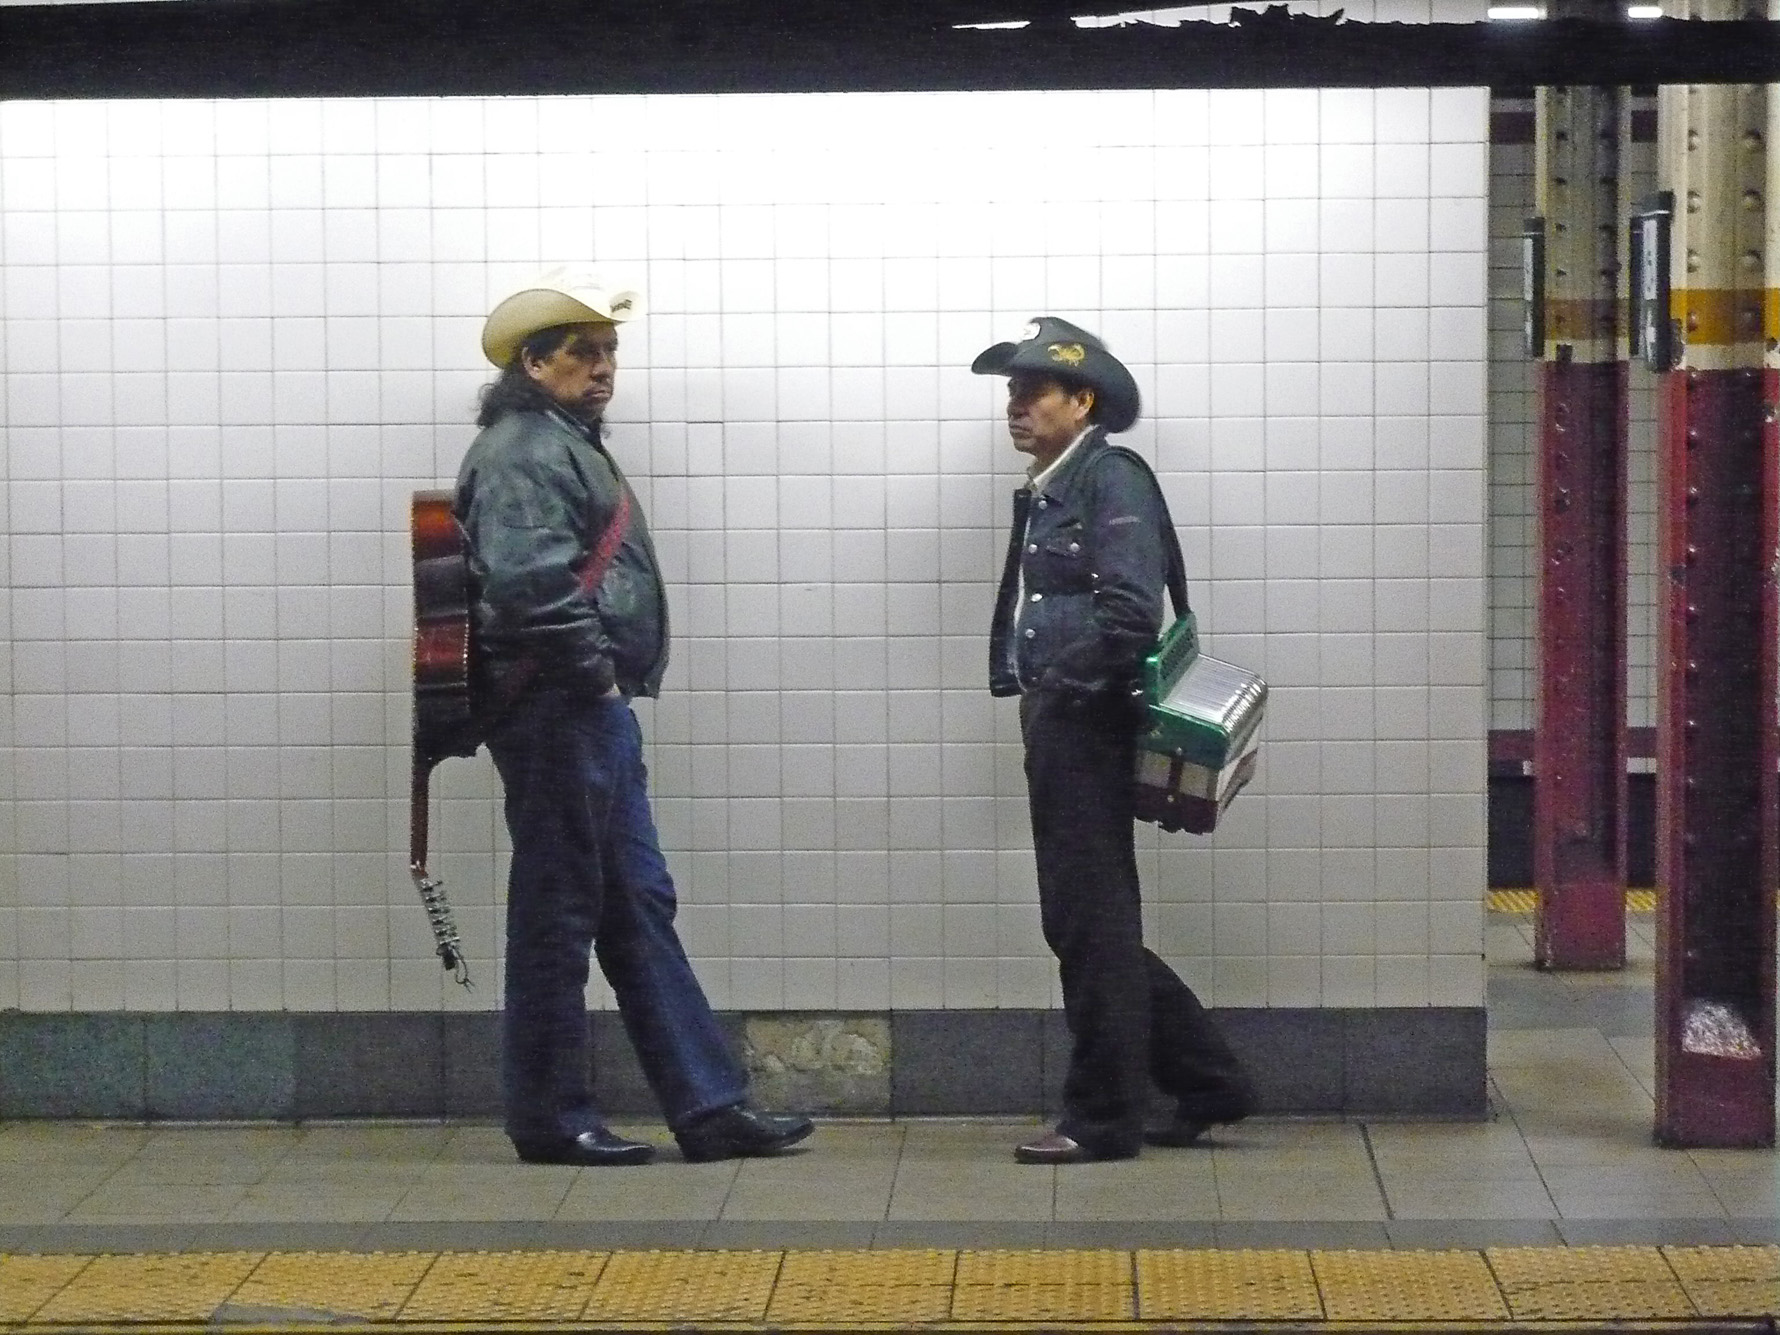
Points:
x=1579 y=736
x=1718 y=744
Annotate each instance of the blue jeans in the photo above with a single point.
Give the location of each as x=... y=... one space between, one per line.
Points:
x=588 y=875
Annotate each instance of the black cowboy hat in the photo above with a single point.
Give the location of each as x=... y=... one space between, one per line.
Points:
x=1071 y=354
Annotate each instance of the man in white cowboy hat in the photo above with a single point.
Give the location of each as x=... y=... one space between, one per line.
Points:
x=571 y=621
x=1079 y=608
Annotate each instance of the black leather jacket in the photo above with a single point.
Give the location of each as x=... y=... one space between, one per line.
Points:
x=1087 y=566
x=534 y=494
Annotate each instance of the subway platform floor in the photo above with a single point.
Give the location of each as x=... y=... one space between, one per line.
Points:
x=1565 y=1165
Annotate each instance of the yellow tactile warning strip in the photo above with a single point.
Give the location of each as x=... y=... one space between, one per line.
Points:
x=684 y=1287
x=28 y=1282
x=939 y=1290
x=1728 y=1281
x=374 y=1285
x=505 y=1286
x=1043 y=1286
x=1227 y=1286
x=1407 y=1286
x=1548 y=1285
x=896 y=1287
x=187 y=1286
x=1527 y=901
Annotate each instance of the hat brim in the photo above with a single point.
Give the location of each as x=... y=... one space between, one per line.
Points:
x=525 y=313
x=1118 y=399
x=994 y=360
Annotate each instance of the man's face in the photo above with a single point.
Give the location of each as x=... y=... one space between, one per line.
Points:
x=1043 y=416
x=579 y=375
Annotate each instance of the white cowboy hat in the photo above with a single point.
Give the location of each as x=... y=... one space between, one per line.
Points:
x=567 y=294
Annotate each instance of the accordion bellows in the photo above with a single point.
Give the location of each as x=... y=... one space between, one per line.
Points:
x=1204 y=730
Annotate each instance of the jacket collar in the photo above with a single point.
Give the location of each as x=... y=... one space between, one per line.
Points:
x=573 y=423
x=1057 y=477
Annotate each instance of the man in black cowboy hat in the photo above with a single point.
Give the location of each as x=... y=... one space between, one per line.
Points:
x=1080 y=607
x=571 y=624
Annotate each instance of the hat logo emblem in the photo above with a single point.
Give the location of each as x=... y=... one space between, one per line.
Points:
x=1070 y=354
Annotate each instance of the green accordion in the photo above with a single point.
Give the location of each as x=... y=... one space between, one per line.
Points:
x=1204 y=729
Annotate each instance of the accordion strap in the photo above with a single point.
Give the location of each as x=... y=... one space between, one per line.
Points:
x=1177 y=562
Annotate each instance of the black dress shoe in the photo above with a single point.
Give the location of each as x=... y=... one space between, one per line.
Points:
x=1054 y=1147
x=599 y=1148
x=739 y=1132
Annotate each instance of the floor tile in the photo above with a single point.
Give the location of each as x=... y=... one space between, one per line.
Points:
x=1302 y=1233
x=788 y=1234
x=1131 y=1234
x=1424 y=1199
x=845 y=1192
x=332 y=1236
x=1649 y=1232
x=959 y=1233
x=972 y=1190
x=658 y=1191
x=1640 y=1205
x=617 y=1234
x=1433 y=1234
x=172 y=1236
x=150 y=1204
x=1156 y=1186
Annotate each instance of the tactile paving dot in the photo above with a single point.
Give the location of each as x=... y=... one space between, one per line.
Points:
x=358 y=1284
x=505 y=1286
x=1520 y=1267
x=1204 y=1285
x=187 y=1286
x=28 y=1282
x=1624 y=1300
x=1580 y=1283
x=1724 y=1263
x=1043 y=1286
x=684 y=1287
x=864 y=1286
x=1734 y=1297
x=1407 y=1286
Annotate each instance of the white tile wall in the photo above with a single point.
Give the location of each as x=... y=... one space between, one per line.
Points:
x=237 y=335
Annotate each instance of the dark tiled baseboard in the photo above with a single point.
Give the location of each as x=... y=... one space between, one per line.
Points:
x=285 y=1066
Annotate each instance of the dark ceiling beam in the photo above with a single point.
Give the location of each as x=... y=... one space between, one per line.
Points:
x=347 y=48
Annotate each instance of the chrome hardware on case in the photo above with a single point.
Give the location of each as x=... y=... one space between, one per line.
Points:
x=448 y=946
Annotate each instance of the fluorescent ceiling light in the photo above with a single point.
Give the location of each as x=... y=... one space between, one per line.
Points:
x=988 y=27
x=1643 y=11
x=1516 y=12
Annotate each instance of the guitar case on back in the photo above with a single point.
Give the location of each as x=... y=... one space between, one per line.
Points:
x=444 y=722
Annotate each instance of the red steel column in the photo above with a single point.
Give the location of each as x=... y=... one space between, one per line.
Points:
x=1579 y=734
x=1718 y=822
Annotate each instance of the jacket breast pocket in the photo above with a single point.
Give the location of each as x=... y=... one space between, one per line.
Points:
x=1060 y=564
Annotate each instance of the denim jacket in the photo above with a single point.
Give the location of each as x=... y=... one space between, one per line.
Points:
x=1081 y=595
x=534 y=494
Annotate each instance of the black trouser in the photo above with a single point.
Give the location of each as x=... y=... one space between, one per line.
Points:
x=1130 y=1016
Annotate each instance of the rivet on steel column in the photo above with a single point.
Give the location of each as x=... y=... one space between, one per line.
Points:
x=1579 y=734
x=1718 y=735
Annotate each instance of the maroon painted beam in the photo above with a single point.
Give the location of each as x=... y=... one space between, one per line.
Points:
x=1718 y=737
x=1579 y=736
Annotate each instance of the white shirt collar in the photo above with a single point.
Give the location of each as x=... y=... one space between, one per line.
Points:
x=1036 y=482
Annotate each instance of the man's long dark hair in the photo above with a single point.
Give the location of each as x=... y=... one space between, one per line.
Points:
x=515 y=391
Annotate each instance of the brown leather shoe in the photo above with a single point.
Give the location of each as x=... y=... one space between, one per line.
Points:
x=1052 y=1147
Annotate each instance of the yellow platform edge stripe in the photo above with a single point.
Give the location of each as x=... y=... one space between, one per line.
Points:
x=1493 y=1289
x=1527 y=901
